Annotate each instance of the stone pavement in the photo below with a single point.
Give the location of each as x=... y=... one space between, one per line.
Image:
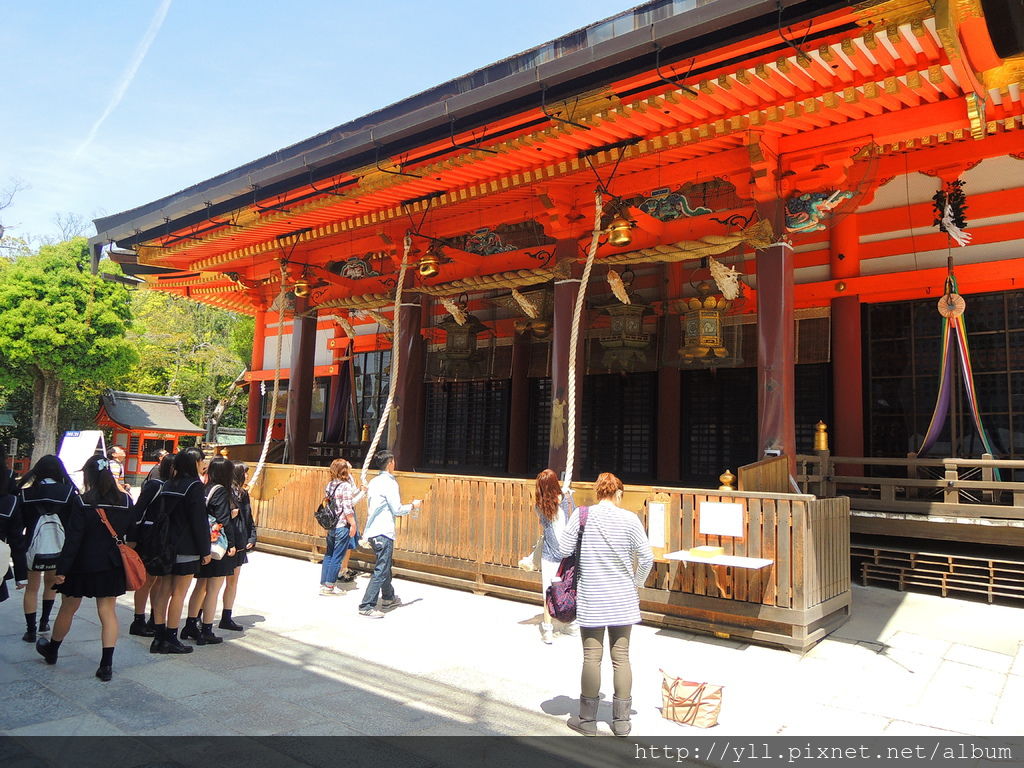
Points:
x=453 y=663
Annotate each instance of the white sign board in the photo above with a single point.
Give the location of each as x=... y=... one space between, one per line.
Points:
x=656 y=524
x=721 y=519
x=76 y=448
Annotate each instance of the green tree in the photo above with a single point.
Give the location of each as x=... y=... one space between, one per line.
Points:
x=60 y=327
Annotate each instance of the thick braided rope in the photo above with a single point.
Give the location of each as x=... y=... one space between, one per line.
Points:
x=395 y=361
x=277 y=385
x=570 y=457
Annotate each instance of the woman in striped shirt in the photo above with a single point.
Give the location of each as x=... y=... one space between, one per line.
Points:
x=615 y=558
x=342 y=539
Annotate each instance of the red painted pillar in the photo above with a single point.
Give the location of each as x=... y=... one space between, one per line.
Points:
x=254 y=414
x=776 y=353
x=670 y=379
x=300 y=383
x=406 y=438
x=847 y=373
x=564 y=306
x=519 y=407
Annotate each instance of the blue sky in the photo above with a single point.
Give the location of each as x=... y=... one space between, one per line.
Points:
x=111 y=104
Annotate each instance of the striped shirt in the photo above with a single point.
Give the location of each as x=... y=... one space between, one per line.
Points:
x=613 y=540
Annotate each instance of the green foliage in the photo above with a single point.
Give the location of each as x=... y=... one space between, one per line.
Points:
x=242 y=335
x=58 y=318
x=186 y=349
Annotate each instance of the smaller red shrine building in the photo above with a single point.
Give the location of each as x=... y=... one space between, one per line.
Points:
x=143 y=425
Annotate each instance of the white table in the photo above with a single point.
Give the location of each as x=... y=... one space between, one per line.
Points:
x=720 y=565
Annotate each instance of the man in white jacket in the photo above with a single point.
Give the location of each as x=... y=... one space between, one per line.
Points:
x=384 y=505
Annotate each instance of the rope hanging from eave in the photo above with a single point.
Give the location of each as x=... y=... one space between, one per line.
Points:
x=570 y=456
x=395 y=361
x=282 y=303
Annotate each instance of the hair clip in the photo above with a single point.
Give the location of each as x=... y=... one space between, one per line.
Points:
x=101 y=464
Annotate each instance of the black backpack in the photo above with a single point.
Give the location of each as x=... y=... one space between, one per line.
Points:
x=154 y=543
x=326 y=515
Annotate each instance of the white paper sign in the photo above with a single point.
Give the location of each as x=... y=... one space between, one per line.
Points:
x=656 y=523
x=721 y=519
x=76 y=447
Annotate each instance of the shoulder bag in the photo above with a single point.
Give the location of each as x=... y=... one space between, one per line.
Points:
x=326 y=514
x=218 y=539
x=134 y=570
x=561 y=595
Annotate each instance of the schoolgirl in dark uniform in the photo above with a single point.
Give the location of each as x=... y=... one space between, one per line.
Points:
x=90 y=563
x=182 y=499
x=150 y=488
x=219 y=505
x=12 y=529
x=245 y=531
x=51 y=491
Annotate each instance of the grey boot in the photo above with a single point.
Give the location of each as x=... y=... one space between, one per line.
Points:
x=586 y=722
x=620 y=716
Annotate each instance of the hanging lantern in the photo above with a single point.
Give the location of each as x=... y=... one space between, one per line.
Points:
x=625 y=345
x=460 y=358
x=702 y=328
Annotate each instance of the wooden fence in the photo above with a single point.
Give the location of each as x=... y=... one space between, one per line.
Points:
x=472 y=532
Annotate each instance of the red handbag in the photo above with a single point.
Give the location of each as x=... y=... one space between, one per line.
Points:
x=134 y=570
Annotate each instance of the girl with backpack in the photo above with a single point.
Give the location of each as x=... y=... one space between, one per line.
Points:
x=342 y=495
x=245 y=533
x=45 y=506
x=219 y=507
x=139 y=626
x=173 y=540
x=90 y=563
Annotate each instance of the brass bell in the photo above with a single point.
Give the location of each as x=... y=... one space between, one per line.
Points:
x=620 y=232
x=428 y=264
x=301 y=288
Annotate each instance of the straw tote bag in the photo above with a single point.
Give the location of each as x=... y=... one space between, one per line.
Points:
x=690 y=703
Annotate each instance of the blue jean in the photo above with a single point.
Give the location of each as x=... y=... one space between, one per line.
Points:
x=380 y=581
x=336 y=539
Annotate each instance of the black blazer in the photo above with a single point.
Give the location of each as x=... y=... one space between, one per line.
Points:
x=184 y=500
x=150 y=488
x=244 y=524
x=12 y=530
x=43 y=499
x=88 y=545
x=219 y=505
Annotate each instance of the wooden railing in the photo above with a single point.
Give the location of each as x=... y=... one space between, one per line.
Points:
x=965 y=488
x=472 y=532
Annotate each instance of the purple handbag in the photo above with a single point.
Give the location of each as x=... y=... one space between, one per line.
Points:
x=561 y=595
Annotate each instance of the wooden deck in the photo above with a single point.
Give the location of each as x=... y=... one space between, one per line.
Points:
x=472 y=531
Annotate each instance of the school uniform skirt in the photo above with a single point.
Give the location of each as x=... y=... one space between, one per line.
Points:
x=223 y=567
x=109 y=583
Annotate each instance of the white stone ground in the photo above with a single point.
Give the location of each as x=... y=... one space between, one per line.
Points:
x=450 y=662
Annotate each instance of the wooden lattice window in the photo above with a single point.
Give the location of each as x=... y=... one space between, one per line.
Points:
x=466 y=426
x=539 y=427
x=619 y=426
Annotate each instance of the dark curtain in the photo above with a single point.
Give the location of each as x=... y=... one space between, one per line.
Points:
x=338 y=405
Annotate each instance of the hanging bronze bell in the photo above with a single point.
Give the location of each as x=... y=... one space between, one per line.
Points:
x=620 y=232
x=301 y=288
x=428 y=264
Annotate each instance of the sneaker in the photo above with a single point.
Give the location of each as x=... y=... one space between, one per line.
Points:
x=326 y=590
x=394 y=602
x=372 y=613
x=547 y=633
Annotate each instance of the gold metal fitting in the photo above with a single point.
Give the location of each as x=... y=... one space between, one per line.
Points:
x=726 y=479
x=301 y=288
x=820 y=436
x=428 y=264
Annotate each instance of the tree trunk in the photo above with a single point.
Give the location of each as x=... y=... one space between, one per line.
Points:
x=45 y=404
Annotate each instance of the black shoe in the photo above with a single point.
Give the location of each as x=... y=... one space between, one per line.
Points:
x=141 y=629
x=208 y=638
x=159 y=645
x=104 y=673
x=44 y=626
x=190 y=632
x=29 y=636
x=175 y=645
x=231 y=624
x=44 y=649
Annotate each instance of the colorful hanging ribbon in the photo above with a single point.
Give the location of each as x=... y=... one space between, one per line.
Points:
x=954 y=346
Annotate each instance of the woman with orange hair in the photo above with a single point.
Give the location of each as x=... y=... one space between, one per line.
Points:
x=607 y=598
x=342 y=539
x=553 y=511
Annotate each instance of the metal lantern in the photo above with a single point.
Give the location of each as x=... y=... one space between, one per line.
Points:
x=702 y=328
x=625 y=344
